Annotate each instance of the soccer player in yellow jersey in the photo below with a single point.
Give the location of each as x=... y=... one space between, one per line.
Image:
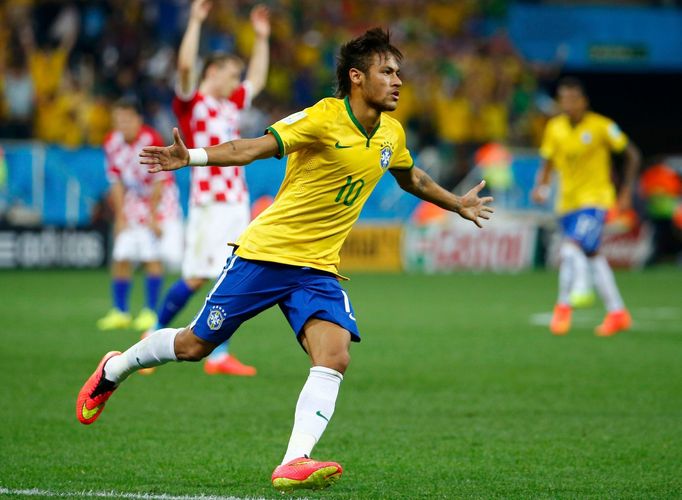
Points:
x=337 y=151
x=577 y=144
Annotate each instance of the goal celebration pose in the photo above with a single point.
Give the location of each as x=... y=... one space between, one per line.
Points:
x=337 y=150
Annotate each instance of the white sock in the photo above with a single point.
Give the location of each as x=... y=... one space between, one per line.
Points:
x=606 y=283
x=153 y=350
x=314 y=409
x=581 y=270
x=570 y=253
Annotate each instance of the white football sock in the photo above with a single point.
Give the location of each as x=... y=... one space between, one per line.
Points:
x=314 y=409
x=570 y=253
x=153 y=350
x=606 y=283
x=581 y=270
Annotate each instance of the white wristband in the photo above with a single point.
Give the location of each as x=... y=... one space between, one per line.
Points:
x=198 y=157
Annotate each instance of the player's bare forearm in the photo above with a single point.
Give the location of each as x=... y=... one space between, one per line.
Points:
x=633 y=159
x=541 y=190
x=237 y=152
x=469 y=206
x=242 y=151
x=257 y=73
x=117 y=195
x=189 y=47
x=417 y=182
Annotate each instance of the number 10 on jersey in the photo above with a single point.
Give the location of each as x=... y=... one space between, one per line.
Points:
x=350 y=191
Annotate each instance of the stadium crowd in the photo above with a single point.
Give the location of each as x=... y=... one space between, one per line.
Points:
x=63 y=64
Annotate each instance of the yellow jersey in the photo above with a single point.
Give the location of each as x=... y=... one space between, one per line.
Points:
x=581 y=155
x=333 y=166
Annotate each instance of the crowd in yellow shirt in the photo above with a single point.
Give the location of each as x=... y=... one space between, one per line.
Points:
x=461 y=86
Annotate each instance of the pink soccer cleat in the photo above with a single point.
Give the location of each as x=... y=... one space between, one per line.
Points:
x=305 y=473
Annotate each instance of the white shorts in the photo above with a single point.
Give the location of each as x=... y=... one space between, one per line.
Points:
x=137 y=244
x=209 y=229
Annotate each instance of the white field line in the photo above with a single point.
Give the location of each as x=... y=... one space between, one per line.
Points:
x=644 y=319
x=37 y=492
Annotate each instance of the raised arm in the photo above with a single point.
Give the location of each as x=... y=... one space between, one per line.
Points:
x=469 y=206
x=237 y=152
x=257 y=72
x=189 y=47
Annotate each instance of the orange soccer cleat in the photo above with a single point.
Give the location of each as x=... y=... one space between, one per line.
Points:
x=305 y=473
x=228 y=365
x=94 y=393
x=561 y=320
x=614 y=322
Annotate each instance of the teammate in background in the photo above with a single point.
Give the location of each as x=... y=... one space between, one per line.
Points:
x=577 y=144
x=142 y=204
x=219 y=200
x=338 y=151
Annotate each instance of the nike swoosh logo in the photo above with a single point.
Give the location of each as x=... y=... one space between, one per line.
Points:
x=88 y=414
x=319 y=414
x=339 y=146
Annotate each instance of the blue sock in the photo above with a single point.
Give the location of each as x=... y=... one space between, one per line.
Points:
x=120 y=290
x=220 y=351
x=153 y=286
x=176 y=298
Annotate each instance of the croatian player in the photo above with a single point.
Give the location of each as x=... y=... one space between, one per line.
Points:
x=145 y=206
x=577 y=144
x=219 y=200
x=289 y=256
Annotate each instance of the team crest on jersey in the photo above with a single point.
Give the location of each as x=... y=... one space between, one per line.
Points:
x=386 y=154
x=215 y=318
x=586 y=137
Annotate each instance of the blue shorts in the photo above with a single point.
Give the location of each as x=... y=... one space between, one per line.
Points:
x=247 y=287
x=585 y=227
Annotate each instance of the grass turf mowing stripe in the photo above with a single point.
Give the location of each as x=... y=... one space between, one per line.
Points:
x=37 y=492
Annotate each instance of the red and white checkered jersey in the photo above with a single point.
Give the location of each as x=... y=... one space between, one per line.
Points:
x=208 y=121
x=123 y=165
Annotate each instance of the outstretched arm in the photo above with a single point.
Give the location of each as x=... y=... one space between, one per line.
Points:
x=257 y=72
x=231 y=153
x=189 y=47
x=469 y=206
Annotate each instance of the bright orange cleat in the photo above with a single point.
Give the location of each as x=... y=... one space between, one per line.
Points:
x=614 y=322
x=561 y=320
x=305 y=473
x=94 y=393
x=228 y=365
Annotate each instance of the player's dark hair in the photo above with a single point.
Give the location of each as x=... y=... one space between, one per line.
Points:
x=571 y=82
x=218 y=59
x=128 y=102
x=358 y=54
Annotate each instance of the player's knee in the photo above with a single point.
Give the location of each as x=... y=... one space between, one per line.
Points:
x=189 y=347
x=338 y=361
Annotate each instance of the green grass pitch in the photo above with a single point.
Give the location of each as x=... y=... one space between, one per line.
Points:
x=457 y=391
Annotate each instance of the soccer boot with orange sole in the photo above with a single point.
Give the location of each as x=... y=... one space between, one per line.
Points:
x=95 y=393
x=561 y=320
x=228 y=365
x=614 y=322
x=305 y=473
